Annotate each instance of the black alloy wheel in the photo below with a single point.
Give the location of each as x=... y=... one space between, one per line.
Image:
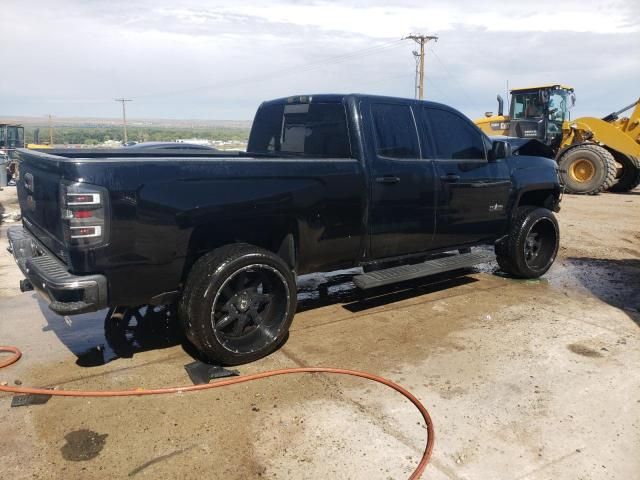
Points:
x=531 y=246
x=238 y=304
x=248 y=307
x=540 y=244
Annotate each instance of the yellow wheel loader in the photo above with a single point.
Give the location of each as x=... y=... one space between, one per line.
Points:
x=593 y=154
x=11 y=137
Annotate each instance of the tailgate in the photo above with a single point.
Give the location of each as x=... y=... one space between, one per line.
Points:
x=39 y=196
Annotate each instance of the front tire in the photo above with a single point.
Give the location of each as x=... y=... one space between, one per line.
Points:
x=238 y=304
x=531 y=245
x=587 y=169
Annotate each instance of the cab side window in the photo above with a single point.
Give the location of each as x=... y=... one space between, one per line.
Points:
x=455 y=137
x=395 y=131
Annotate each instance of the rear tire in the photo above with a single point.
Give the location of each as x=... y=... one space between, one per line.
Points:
x=630 y=177
x=587 y=169
x=531 y=245
x=238 y=304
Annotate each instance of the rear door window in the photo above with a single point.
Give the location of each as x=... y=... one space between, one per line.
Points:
x=302 y=129
x=454 y=136
x=395 y=131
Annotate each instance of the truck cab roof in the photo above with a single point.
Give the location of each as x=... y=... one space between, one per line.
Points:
x=343 y=97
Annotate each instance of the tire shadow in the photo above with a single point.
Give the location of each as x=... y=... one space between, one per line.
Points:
x=615 y=282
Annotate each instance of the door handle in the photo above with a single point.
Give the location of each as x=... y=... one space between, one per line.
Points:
x=450 y=177
x=388 y=179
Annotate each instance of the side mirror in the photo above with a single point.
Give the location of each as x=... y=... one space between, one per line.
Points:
x=500 y=105
x=499 y=149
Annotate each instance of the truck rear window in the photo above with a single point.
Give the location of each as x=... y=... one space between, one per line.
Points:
x=307 y=129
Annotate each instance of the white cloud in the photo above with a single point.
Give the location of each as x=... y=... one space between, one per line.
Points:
x=76 y=59
x=388 y=21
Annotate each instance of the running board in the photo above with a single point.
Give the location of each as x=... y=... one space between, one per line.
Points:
x=402 y=273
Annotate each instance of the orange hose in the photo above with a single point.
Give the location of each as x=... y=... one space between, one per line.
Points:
x=417 y=473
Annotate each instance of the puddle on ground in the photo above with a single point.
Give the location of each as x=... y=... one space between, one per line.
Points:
x=82 y=445
x=616 y=282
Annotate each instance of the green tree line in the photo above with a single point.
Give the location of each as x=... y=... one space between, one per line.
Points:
x=96 y=135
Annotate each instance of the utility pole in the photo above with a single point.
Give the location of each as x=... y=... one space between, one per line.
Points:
x=124 y=116
x=50 y=131
x=421 y=40
x=416 y=57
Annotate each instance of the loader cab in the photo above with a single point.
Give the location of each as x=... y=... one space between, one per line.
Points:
x=539 y=112
x=11 y=137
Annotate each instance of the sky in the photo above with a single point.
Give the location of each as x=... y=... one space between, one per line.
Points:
x=195 y=59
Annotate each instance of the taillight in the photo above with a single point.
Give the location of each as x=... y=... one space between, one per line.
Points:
x=85 y=214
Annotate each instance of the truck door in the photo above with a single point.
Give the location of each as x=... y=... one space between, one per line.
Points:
x=402 y=185
x=472 y=193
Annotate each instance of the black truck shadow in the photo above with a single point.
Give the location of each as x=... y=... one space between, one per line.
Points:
x=100 y=337
x=320 y=290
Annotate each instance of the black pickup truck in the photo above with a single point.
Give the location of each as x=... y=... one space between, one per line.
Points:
x=327 y=182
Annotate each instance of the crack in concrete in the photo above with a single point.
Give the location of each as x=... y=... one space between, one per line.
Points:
x=159 y=459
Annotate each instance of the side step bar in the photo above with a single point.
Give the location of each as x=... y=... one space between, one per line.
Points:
x=430 y=267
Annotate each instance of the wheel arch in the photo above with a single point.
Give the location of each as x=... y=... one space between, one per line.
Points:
x=277 y=235
x=547 y=197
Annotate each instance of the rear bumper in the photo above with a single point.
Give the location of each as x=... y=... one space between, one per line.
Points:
x=66 y=293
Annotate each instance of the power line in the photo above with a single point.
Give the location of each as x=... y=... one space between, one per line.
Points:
x=297 y=69
x=421 y=40
x=124 y=116
x=385 y=79
x=451 y=76
x=432 y=84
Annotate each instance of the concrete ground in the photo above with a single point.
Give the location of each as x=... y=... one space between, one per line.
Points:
x=524 y=379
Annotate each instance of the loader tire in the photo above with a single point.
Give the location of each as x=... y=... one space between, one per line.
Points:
x=630 y=176
x=587 y=169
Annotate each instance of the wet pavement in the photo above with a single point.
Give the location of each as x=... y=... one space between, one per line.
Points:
x=524 y=379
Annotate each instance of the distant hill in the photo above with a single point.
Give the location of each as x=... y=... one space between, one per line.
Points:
x=95 y=131
x=134 y=122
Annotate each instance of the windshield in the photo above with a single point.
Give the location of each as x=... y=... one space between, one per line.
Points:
x=308 y=129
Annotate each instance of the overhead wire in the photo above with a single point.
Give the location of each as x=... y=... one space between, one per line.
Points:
x=295 y=69
x=453 y=78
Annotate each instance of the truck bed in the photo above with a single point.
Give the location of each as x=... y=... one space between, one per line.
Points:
x=168 y=208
